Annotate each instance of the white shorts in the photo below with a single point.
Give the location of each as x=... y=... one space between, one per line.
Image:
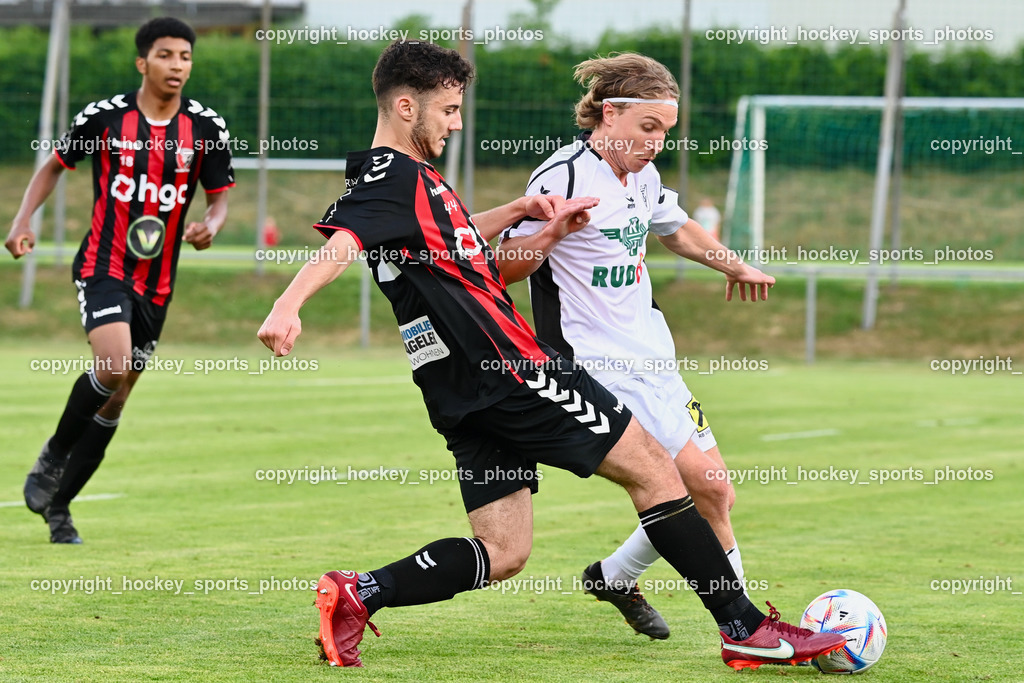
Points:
x=666 y=408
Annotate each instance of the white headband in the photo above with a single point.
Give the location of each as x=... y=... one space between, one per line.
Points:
x=640 y=100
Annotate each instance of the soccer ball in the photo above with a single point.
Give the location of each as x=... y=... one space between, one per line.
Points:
x=858 y=619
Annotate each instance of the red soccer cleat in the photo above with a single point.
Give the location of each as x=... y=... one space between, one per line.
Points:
x=776 y=642
x=343 y=617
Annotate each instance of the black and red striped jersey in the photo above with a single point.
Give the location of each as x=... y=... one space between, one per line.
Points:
x=143 y=169
x=467 y=344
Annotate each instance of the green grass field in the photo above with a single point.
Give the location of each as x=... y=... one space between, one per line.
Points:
x=181 y=500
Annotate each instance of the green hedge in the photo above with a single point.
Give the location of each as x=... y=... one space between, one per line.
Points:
x=322 y=92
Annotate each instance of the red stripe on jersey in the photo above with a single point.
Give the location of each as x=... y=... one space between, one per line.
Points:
x=61 y=161
x=520 y=336
x=496 y=287
x=99 y=210
x=150 y=202
x=186 y=140
x=328 y=230
x=483 y=266
x=129 y=134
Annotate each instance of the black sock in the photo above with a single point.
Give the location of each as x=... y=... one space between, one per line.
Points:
x=686 y=541
x=434 y=573
x=87 y=396
x=85 y=457
x=738 y=619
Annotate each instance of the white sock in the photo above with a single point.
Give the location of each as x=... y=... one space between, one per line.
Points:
x=630 y=560
x=737 y=564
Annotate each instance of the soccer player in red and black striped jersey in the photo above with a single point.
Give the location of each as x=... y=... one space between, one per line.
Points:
x=503 y=400
x=150 y=149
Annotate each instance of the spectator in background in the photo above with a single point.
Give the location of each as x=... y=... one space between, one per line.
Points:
x=271 y=233
x=709 y=217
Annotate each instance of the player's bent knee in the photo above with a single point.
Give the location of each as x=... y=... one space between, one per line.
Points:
x=111 y=380
x=720 y=492
x=505 y=527
x=713 y=494
x=111 y=410
x=507 y=571
x=506 y=560
x=722 y=487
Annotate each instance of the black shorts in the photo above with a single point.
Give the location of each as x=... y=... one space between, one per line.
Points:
x=103 y=300
x=563 y=418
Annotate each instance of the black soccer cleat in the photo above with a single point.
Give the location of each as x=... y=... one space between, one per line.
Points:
x=43 y=480
x=62 y=530
x=631 y=602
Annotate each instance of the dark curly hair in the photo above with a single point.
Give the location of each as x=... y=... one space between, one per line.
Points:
x=421 y=67
x=162 y=27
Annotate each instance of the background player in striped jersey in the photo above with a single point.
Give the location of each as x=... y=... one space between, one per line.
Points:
x=150 y=150
x=592 y=297
x=502 y=399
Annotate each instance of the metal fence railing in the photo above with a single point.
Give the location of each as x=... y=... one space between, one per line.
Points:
x=810 y=273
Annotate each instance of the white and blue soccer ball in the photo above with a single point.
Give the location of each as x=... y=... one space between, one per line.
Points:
x=854 y=616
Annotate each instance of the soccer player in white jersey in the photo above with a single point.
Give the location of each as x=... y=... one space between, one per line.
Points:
x=592 y=297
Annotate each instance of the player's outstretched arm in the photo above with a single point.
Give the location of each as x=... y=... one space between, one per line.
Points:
x=542 y=207
x=200 y=235
x=20 y=239
x=282 y=326
x=519 y=257
x=693 y=242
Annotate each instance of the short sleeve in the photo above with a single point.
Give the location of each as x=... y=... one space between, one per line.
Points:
x=85 y=136
x=668 y=216
x=216 y=173
x=380 y=206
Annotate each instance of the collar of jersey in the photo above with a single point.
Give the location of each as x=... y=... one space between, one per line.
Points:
x=584 y=137
x=354 y=160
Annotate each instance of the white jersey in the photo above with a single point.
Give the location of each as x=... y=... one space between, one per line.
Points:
x=592 y=297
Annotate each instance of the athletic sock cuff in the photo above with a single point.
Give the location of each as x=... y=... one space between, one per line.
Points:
x=97 y=386
x=483 y=563
x=665 y=510
x=105 y=421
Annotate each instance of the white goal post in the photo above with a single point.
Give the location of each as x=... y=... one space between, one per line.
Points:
x=750 y=160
